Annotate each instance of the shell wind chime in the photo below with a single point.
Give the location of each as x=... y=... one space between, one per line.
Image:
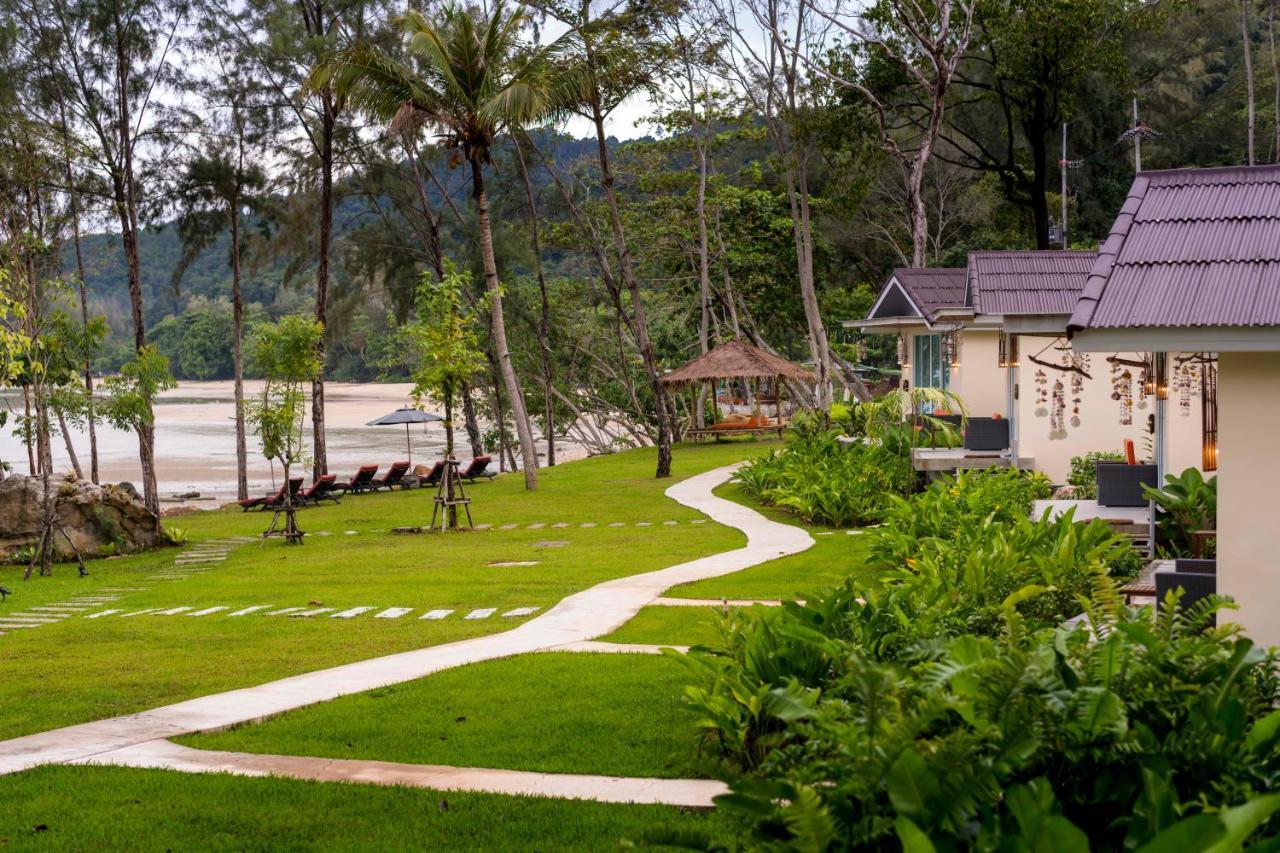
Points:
x=1186 y=381
x=1122 y=391
x=1057 y=410
x=1081 y=362
x=1042 y=393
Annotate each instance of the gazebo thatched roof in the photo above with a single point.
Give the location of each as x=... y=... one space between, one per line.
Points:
x=736 y=360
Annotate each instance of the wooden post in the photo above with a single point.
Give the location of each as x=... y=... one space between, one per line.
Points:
x=777 y=398
x=755 y=402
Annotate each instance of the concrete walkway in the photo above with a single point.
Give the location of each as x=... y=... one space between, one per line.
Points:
x=164 y=755
x=578 y=618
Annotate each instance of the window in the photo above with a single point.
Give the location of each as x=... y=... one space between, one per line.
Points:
x=931 y=370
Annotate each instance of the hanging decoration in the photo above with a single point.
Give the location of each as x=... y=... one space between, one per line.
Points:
x=902 y=351
x=1057 y=426
x=1122 y=388
x=951 y=349
x=1042 y=393
x=1008 y=350
x=1081 y=361
x=1186 y=383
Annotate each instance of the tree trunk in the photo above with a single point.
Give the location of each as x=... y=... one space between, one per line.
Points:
x=328 y=122
x=451 y=511
x=1275 y=81
x=71 y=448
x=125 y=191
x=471 y=422
x=74 y=203
x=528 y=453
x=237 y=358
x=797 y=180
x=544 y=322
x=639 y=321
x=704 y=267
x=26 y=433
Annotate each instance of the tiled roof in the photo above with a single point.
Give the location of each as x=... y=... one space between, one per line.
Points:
x=1034 y=282
x=931 y=289
x=1190 y=247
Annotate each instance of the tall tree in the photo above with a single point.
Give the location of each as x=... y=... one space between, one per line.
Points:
x=117 y=57
x=467 y=77
x=221 y=183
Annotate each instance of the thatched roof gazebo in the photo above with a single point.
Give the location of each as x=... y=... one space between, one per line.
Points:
x=738 y=359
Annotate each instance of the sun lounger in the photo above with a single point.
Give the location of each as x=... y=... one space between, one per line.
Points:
x=477 y=468
x=433 y=476
x=394 y=477
x=323 y=489
x=361 y=482
x=272 y=501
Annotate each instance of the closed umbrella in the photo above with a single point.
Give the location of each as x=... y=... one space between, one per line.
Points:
x=406 y=416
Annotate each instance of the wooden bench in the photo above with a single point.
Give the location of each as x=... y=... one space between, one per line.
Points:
x=720 y=433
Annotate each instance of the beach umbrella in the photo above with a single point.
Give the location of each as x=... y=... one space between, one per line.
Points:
x=406 y=416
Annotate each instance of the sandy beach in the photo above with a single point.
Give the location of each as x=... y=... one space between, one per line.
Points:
x=195 y=439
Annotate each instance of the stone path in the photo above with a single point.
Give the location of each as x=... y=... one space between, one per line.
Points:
x=139 y=739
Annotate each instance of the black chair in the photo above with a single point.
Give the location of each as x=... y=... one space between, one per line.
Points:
x=986 y=434
x=1198 y=579
x=1120 y=484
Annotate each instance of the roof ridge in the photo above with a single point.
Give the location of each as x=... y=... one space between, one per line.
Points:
x=1208 y=170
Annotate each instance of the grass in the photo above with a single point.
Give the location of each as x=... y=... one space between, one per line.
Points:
x=101 y=808
x=112 y=666
x=832 y=558
x=679 y=626
x=608 y=714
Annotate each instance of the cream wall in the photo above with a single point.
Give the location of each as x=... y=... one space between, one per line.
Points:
x=1098 y=429
x=1248 y=474
x=978 y=381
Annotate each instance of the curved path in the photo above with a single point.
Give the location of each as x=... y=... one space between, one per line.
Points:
x=583 y=616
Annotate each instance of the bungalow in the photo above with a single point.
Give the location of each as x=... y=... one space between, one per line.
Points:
x=1192 y=265
x=994 y=334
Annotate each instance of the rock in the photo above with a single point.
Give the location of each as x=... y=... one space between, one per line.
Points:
x=1064 y=493
x=93 y=517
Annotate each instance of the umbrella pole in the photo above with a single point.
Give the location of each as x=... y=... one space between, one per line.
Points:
x=407 y=445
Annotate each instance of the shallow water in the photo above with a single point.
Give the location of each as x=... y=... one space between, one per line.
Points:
x=196 y=446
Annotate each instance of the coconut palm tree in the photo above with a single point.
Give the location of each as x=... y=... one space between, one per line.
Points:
x=470 y=79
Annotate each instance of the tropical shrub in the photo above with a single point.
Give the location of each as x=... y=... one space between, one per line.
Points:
x=1138 y=727
x=1084 y=472
x=825 y=482
x=1187 y=503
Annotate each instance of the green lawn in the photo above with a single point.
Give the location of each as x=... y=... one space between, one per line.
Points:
x=102 y=808
x=679 y=626
x=834 y=556
x=116 y=665
x=608 y=714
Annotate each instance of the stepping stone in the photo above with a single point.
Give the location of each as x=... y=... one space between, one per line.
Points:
x=29 y=620
x=208 y=610
x=321 y=533
x=699 y=521
x=351 y=532
x=508 y=527
x=560 y=524
x=246 y=611
x=483 y=613
x=644 y=524
x=854 y=532
x=618 y=524
x=483 y=526
x=140 y=612
x=315 y=611
x=284 y=611
x=124 y=589
x=351 y=614
x=64 y=609
x=520 y=611
x=508 y=564
x=587 y=524
x=392 y=613
x=100 y=614
x=9 y=626
x=195 y=561
x=174 y=611
x=84 y=599
x=551 y=543
x=538 y=525
x=435 y=614
x=669 y=523
x=825 y=533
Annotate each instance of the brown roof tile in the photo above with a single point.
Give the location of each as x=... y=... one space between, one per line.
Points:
x=931 y=289
x=1029 y=282
x=1191 y=247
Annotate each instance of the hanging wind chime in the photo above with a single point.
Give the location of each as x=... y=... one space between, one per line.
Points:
x=1186 y=381
x=1081 y=362
x=1122 y=391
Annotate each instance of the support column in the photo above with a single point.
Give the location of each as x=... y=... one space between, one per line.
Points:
x=1248 y=471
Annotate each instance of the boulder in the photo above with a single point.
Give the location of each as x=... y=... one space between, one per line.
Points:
x=93 y=517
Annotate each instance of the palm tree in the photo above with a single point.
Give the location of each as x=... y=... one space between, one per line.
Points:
x=469 y=78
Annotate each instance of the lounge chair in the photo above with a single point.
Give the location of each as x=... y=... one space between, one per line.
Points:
x=323 y=489
x=394 y=477
x=273 y=501
x=476 y=469
x=433 y=476
x=361 y=482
